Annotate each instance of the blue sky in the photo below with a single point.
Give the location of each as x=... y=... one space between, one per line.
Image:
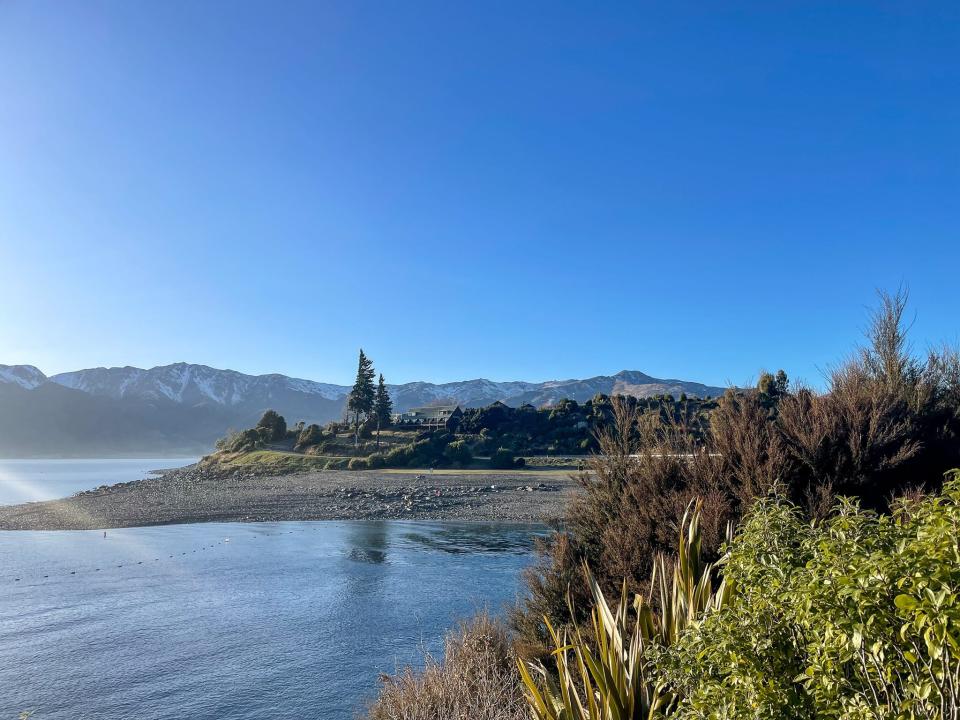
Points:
x=509 y=190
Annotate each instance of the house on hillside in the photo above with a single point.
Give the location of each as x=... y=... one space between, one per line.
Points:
x=438 y=416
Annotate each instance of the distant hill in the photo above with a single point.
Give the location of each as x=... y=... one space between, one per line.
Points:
x=184 y=408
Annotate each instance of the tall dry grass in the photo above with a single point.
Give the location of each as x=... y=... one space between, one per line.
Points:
x=477 y=679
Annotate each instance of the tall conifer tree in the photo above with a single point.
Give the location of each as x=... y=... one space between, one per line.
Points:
x=362 y=397
x=382 y=407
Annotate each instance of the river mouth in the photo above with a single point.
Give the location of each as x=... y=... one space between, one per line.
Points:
x=235 y=620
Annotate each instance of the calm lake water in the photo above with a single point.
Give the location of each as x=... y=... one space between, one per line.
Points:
x=287 y=620
x=29 y=480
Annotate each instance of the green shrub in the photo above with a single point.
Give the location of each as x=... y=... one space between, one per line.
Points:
x=376 y=461
x=358 y=464
x=458 y=452
x=367 y=428
x=240 y=441
x=274 y=426
x=327 y=447
x=502 y=459
x=309 y=436
x=856 y=617
x=336 y=464
x=398 y=456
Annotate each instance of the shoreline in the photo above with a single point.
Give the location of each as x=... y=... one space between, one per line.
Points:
x=241 y=494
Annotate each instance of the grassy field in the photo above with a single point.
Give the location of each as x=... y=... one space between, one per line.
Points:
x=283 y=461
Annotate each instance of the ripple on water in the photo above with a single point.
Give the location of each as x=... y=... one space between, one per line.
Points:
x=302 y=620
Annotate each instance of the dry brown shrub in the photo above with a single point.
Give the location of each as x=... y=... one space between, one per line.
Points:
x=633 y=498
x=477 y=680
x=754 y=454
x=888 y=419
x=853 y=439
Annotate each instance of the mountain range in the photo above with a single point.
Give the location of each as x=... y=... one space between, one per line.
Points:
x=184 y=408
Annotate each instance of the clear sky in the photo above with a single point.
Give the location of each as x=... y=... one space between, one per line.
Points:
x=511 y=190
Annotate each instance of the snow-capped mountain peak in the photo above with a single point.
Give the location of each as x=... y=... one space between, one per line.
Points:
x=187 y=383
x=236 y=395
x=26 y=376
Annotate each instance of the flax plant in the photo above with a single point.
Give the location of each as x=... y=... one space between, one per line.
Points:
x=607 y=677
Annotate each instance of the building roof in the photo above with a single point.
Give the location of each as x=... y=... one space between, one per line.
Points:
x=434 y=411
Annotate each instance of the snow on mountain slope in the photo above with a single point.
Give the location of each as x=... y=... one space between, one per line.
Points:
x=191 y=384
x=196 y=385
x=26 y=376
x=185 y=408
x=477 y=393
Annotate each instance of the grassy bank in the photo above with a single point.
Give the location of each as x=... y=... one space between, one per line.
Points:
x=274 y=461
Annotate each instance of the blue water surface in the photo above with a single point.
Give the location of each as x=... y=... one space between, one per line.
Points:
x=44 y=479
x=280 y=620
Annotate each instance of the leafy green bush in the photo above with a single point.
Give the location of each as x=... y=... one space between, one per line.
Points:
x=309 y=436
x=502 y=459
x=376 y=461
x=336 y=464
x=458 y=452
x=240 y=441
x=398 y=456
x=358 y=464
x=856 y=617
x=274 y=425
x=367 y=428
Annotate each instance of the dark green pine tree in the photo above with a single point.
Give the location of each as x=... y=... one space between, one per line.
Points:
x=382 y=407
x=362 y=397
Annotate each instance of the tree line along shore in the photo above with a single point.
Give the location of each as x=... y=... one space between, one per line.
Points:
x=372 y=436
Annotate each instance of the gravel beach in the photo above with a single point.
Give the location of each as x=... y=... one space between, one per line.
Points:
x=224 y=494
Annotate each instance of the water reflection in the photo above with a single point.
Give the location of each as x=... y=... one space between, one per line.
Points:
x=368 y=542
x=476 y=538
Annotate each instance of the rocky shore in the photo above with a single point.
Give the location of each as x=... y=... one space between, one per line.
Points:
x=211 y=493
